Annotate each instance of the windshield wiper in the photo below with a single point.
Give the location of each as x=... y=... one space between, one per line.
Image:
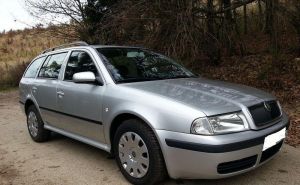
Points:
x=128 y=80
x=180 y=76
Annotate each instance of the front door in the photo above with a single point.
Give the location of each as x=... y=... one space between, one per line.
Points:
x=80 y=104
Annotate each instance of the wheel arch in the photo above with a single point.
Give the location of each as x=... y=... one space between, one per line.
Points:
x=28 y=103
x=117 y=121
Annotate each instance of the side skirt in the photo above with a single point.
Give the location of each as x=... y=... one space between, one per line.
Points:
x=79 y=138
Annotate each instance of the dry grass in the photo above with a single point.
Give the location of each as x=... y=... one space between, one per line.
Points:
x=17 y=49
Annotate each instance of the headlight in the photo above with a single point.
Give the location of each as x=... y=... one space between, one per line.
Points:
x=227 y=123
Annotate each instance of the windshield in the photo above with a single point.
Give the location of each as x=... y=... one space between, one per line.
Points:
x=134 y=64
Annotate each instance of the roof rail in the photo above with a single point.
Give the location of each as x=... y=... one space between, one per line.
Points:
x=78 y=43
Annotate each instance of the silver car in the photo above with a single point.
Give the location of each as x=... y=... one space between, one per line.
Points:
x=154 y=116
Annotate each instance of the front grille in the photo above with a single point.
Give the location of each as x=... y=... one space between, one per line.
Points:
x=238 y=165
x=262 y=115
x=270 y=152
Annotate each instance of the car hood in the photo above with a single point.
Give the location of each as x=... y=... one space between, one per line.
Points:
x=209 y=96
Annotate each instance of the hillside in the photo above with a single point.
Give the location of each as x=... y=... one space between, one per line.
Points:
x=17 y=48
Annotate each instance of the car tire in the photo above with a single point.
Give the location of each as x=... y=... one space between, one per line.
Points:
x=35 y=125
x=142 y=141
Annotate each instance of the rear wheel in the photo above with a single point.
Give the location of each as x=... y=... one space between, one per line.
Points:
x=138 y=153
x=36 y=126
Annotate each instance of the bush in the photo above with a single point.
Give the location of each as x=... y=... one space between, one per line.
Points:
x=10 y=76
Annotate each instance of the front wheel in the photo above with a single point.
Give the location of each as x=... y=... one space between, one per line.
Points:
x=138 y=153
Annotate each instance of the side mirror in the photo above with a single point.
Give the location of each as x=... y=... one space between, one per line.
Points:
x=87 y=77
x=84 y=77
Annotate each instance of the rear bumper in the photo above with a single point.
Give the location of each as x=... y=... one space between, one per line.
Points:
x=189 y=156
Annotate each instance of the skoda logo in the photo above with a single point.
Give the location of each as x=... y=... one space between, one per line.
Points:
x=267 y=106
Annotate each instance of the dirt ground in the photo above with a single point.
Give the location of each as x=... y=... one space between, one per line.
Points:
x=66 y=161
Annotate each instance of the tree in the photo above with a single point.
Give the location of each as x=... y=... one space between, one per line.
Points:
x=84 y=16
x=180 y=28
x=94 y=11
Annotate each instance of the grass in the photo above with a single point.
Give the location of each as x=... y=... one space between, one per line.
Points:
x=17 y=49
x=8 y=89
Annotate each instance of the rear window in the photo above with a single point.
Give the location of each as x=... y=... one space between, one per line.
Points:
x=52 y=66
x=34 y=67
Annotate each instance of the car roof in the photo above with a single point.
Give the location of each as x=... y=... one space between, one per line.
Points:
x=85 y=47
x=114 y=46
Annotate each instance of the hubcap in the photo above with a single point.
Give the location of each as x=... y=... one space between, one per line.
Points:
x=32 y=124
x=133 y=154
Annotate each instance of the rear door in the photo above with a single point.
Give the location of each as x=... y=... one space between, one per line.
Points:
x=81 y=103
x=44 y=88
x=27 y=83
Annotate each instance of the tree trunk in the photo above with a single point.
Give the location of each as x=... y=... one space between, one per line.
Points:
x=236 y=26
x=210 y=18
x=297 y=21
x=245 y=20
x=274 y=29
x=238 y=34
x=260 y=14
x=269 y=24
x=228 y=27
x=298 y=34
x=272 y=25
x=228 y=13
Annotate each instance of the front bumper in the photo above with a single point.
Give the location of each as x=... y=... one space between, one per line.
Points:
x=189 y=156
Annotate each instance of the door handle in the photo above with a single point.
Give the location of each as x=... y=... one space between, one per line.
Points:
x=60 y=94
x=34 y=89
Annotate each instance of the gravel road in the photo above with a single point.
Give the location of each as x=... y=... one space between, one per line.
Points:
x=65 y=161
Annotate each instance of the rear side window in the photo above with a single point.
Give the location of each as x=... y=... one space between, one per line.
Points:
x=34 y=67
x=52 y=65
x=79 y=61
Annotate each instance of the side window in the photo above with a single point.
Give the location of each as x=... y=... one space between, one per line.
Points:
x=79 y=61
x=34 y=67
x=52 y=65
